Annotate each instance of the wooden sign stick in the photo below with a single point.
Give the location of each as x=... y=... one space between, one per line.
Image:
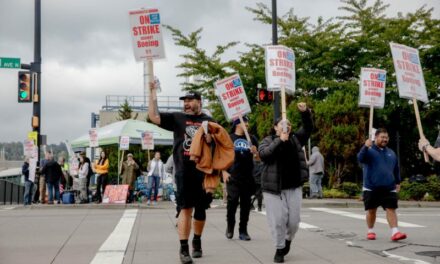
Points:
x=370 y=123
x=419 y=126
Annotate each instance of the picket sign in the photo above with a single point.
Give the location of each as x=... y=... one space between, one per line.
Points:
x=372 y=92
x=93 y=138
x=280 y=68
x=233 y=99
x=146 y=34
x=410 y=80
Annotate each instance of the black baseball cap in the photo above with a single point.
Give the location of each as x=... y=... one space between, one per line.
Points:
x=191 y=95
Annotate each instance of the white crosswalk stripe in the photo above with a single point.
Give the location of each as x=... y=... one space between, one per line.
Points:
x=360 y=216
x=112 y=251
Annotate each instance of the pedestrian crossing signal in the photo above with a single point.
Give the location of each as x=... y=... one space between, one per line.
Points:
x=264 y=96
x=24 y=87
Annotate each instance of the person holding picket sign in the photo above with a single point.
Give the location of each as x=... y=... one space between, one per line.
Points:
x=239 y=180
x=381 y=182
x=284 y=172
x=190 y=195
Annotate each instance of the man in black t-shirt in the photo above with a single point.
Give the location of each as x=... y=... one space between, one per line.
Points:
x=189 y=181
x=239 y=180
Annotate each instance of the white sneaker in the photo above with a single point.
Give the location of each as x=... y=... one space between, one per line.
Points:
x=154 y=203
x=148 y=202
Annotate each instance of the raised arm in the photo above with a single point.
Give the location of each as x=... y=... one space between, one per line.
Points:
x=303 y=134
x=153 y=112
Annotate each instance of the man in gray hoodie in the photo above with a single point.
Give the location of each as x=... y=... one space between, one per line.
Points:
x=316 y=170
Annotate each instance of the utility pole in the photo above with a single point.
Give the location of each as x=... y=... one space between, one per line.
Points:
x=276 y=95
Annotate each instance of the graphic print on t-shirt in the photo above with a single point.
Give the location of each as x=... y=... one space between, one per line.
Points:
x=241 y=145
x=190 y=130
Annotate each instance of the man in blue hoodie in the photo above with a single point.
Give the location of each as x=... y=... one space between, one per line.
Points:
x=381 y=182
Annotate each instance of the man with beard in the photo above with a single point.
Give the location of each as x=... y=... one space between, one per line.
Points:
x=190 y=194
x=381 y=182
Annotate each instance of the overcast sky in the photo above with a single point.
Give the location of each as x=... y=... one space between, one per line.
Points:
x=87 y=51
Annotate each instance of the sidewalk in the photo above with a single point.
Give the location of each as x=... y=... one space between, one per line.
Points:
x=307 y=203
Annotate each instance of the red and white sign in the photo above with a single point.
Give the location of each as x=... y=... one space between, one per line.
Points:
x=372 y=87
x=115 y=194
x=280 y=68
x=29 y=148
x=124 y=143
x=93 y=138
x=74 y=166
x=147 y=140
x=32 y=168
x=233 y=97
x=146 y=34
x=409 y=72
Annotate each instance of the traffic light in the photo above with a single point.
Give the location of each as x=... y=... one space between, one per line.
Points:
x=264 y=96
x=24 y=87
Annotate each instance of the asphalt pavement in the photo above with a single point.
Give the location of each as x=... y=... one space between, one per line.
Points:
x=331 y=231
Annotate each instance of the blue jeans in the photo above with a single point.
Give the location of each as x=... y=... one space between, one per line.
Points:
x=153 y=182
x=51 y=186
x=28 y=186
x=315 y=185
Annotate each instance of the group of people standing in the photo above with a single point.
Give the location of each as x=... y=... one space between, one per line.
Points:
x=53 y=178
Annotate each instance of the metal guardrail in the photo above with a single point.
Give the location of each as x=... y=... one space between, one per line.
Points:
x=11 y=193
x=140 y=103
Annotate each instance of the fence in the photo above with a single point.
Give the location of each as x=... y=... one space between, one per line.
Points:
x=11 y=193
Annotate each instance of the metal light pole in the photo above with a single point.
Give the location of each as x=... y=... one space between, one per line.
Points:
x=36 y=68
x=276 y=95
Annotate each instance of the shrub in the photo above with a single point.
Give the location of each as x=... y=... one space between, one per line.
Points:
x=350 y=188
x=413 y=190
x=434 y=187
x=334 y=193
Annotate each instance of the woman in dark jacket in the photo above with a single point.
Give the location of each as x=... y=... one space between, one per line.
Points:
x=284 y=172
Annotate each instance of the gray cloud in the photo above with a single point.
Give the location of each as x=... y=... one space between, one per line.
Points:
x=87 y=52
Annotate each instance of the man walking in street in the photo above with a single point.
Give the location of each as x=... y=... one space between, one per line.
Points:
x=381 y=182
x=316 y=171
x=189 y=180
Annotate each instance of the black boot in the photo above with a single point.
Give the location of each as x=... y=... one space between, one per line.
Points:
x=279 y=256
x=197 y=248
x=185 y=258
x=243 y=234
x=286 y=248
x=230 y=231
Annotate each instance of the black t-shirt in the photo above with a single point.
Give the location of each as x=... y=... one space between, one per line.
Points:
x=243 y=165
x=184 y=127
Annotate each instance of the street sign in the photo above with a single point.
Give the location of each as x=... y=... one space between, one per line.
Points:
x=12 y=63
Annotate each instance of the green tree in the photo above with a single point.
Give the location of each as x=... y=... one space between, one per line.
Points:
x=126 y=112
x=329 y=56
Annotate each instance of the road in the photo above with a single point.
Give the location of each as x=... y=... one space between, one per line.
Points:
x=139 y=234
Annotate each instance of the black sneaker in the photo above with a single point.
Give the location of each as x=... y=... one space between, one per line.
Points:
x=286 y=248
x=197 y=248
x=279 y=256
x=244 y=236
x=185 y=258
x=230 y=231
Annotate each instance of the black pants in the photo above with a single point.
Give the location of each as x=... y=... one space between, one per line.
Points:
x=258 y=196
x=238 y=194
x=101 y=182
